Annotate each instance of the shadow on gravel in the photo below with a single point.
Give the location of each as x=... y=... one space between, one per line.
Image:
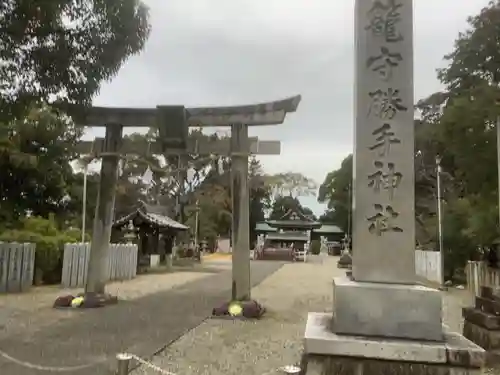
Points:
x=143 y=326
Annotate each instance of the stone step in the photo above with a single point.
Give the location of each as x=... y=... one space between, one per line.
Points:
x=483 y=319
x=488 y=305
x=493 y=358
x=490 y=293
x=489 y=340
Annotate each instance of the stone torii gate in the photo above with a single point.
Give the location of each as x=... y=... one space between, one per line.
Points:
x=173 y=123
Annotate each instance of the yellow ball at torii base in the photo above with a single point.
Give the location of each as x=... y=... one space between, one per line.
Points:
x=235 y=309
x=77 y=302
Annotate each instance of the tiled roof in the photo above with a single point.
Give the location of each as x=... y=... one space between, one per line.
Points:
x=165 y=221
x=155 y=215
x=288 y=236
x=264 y=227
x=326 y=228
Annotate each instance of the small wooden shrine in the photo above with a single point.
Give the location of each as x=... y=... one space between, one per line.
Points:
x=155 y=230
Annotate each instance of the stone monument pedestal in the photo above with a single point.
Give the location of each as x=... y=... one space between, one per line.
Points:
x=328 y=353
x=389 y=310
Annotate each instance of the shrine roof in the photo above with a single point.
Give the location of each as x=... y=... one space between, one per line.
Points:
x=328 y=228
x=288 y=236
x=264 y=227
x=154 y=215
x=294 y=224
x=294 y=219
x=296 y=215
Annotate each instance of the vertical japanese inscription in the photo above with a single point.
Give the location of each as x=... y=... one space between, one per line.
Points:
x=384 y=17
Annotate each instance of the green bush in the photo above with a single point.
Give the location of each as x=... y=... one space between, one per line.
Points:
x=49 y=241
x=315 y=247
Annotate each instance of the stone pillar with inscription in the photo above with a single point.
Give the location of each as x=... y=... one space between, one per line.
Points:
x=383 y=321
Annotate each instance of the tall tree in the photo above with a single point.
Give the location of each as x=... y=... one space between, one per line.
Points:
x=290 y=184
x=335 y=191
x=476 y=57
x=259 y=195
x=283 y=204
x=63 y=50
x=40 y=181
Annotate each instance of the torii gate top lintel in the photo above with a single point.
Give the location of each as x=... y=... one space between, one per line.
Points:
x=269 y=113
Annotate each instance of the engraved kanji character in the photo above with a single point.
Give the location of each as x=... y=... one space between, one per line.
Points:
x=383 y=16
x=384 y=63
x=385 y=138
x=386 y=104
x=383 y=220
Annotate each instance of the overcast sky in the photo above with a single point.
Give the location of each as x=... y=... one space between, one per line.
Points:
x=229 y=52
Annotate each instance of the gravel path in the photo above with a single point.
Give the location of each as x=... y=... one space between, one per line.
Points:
x=141 y=326
x=243 y=347
x=23 y=311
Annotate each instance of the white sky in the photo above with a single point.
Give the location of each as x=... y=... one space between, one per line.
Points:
x=228 y=52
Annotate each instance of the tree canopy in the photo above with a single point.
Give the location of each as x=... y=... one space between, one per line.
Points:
x=62 y=50
x=335 y=191
x=284 y=204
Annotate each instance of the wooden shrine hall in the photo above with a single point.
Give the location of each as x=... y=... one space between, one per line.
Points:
x=293 y=233
x=153 y=228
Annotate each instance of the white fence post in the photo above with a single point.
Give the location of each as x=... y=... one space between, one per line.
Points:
x=428 y=265
x=121 y=264
x=17 y=266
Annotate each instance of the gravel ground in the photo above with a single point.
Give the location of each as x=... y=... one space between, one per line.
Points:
x=244 y=347
x=141 y=326
x=34 y=309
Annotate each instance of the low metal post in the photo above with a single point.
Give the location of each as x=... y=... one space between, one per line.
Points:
x=123 y=363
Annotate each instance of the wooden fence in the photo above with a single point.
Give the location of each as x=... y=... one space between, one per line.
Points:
x=479 y=274
x=17 y=266
x=122 y=263
x=428 y=265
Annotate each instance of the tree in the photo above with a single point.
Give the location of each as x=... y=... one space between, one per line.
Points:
x=469 y=106
x=465 y=132
x=475 y=59
x=336 y=192
x=459 y=125
x=39 y=182
x=292 y=184
x=62 y=50
x=259 y=195
x=283 y=204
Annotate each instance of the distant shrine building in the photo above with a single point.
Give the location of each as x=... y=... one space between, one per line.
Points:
x=153 y=230
x=279 y=239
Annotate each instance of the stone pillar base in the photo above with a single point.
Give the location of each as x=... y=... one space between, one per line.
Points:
x=326 y=353
x=386 y=310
